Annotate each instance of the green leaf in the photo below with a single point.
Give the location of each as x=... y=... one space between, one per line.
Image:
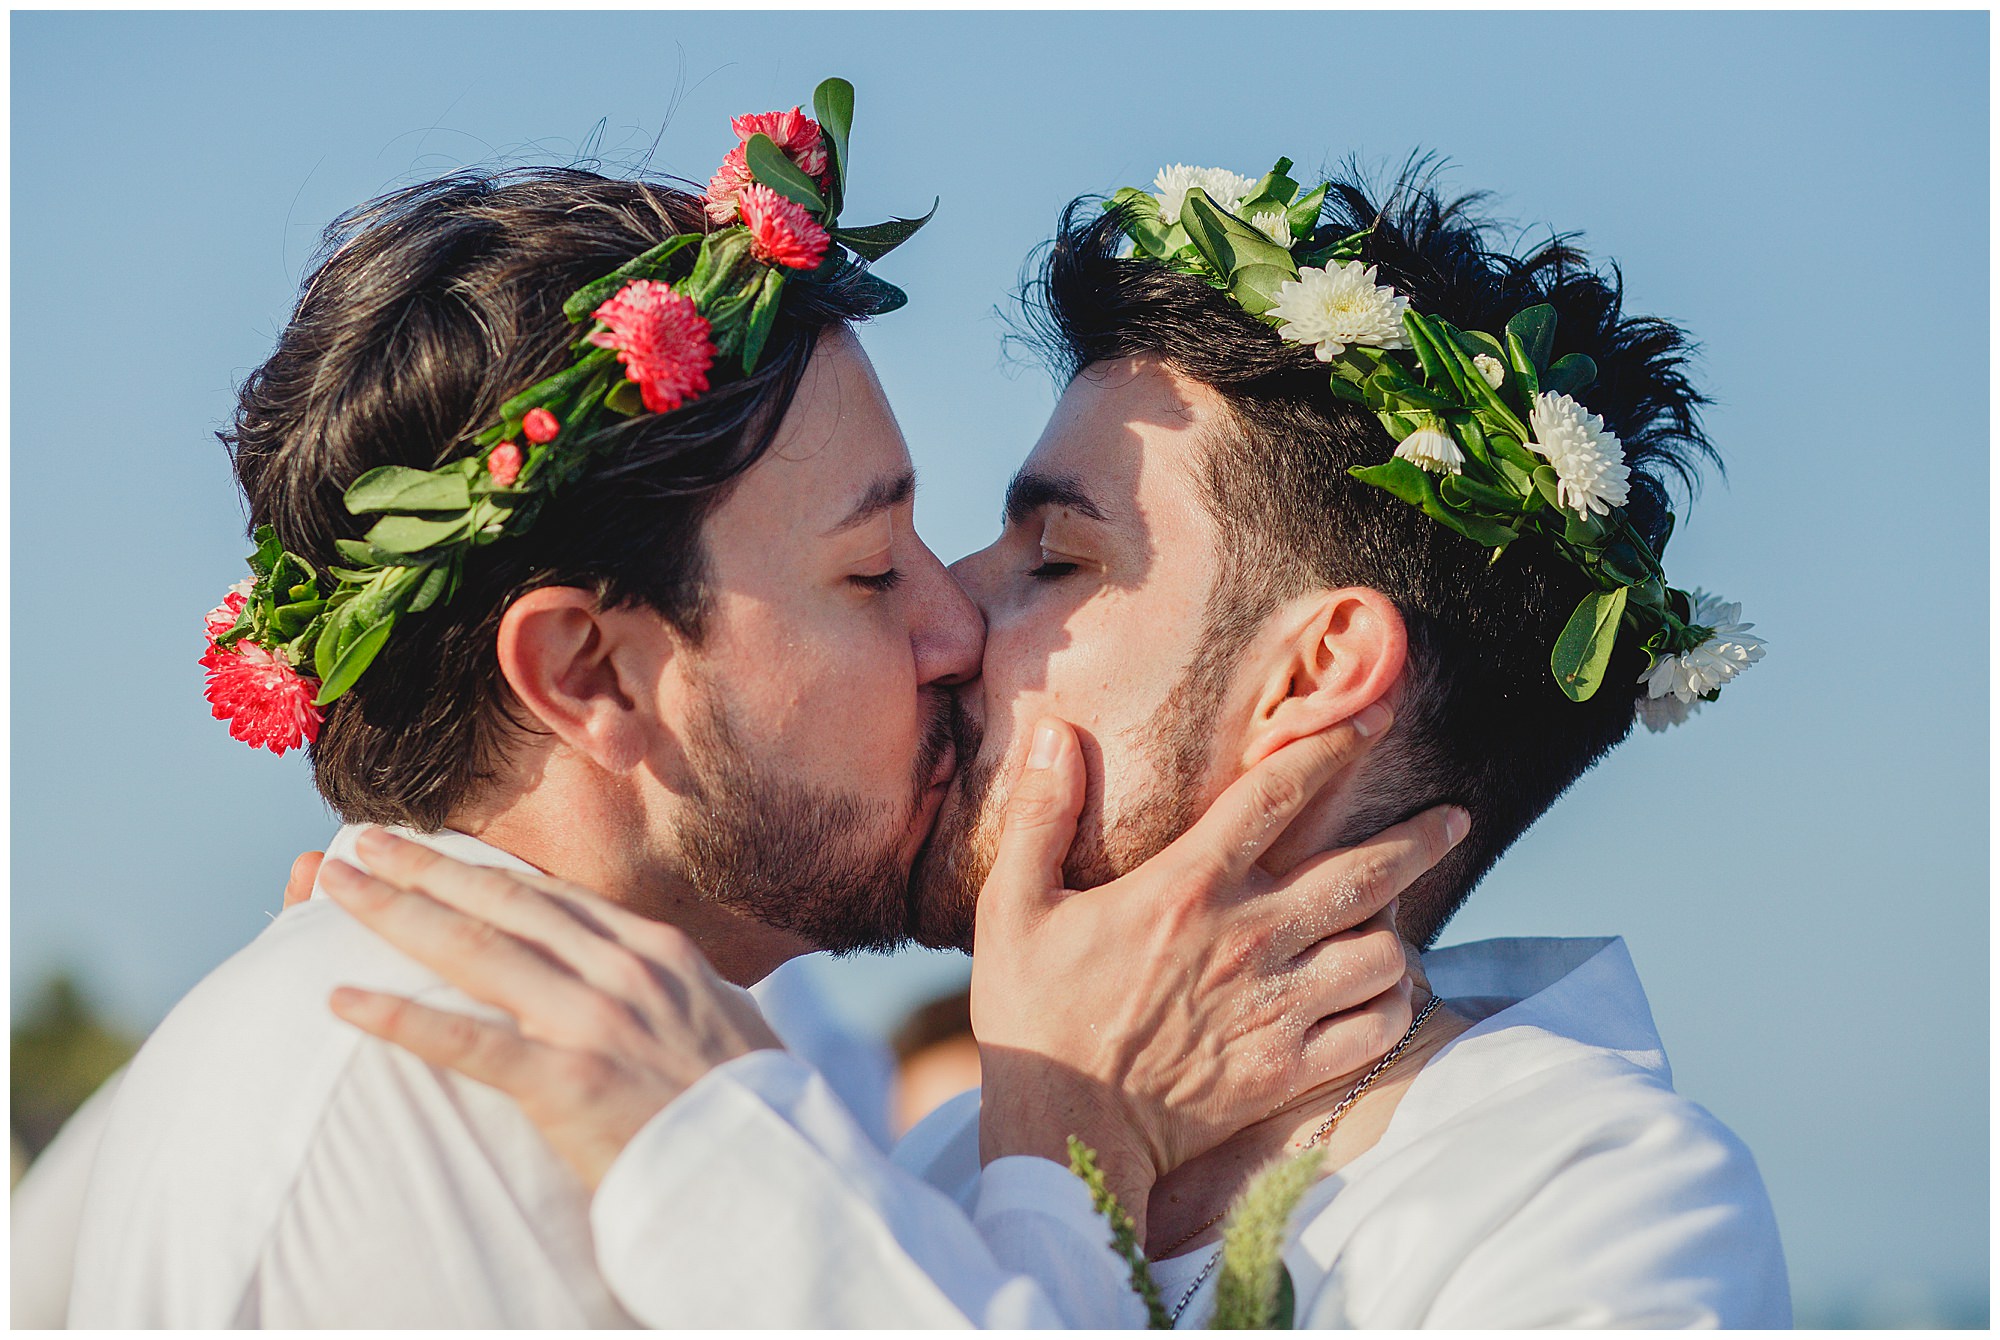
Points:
x=1549 y=484
x=649 y=264
x=1303 y=216
x=411 y=535
x=1505 y=447
x=1527 y=379
x=1535 y=329
x=436 y=581
x=1479 y=342
x=1255 y=287
x=340 y=678
x=1399 y=477
x=762 y=314
x=833 y=108
x=625 y=398
x=551 y=389
x=1472 y=493
x=1238 y=244
x=768 y=164
x=1569 y=374
x=1284 y=1313
x=1274 y=188
x=1584 y=649
x=1343 y=388
x=877 y=240
x=397 y=488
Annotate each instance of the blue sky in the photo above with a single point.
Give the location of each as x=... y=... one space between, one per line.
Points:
x=1801 y=873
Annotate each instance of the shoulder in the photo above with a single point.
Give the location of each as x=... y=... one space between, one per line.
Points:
x=1555 y=1182
x=242 y=1101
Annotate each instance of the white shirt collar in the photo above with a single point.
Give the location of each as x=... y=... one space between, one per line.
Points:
x=459 y=846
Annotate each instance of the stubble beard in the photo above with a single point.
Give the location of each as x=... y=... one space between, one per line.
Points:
x=814 y=861
x=1143 y=821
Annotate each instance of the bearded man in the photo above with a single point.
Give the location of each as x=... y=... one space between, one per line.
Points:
x=643 y=609
x=1203 y=563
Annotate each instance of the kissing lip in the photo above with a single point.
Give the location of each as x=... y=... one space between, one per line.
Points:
x=946 y=768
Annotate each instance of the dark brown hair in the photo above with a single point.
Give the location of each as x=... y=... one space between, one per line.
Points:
x=1482 y=723
x=429 y=308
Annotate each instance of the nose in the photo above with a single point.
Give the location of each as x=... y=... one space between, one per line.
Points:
x=948 y=631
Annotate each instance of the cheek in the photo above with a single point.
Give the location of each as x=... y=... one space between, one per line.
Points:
x=835 y=698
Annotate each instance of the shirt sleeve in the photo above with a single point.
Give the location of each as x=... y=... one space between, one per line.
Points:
x=756 y=1200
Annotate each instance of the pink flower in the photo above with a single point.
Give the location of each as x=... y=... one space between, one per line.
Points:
x=267 y=703
x=781 y=232
x=504 y=464
x=540 y=426
x=796 y=135
x=794 y=132
x=661 y=339
x=223 y=617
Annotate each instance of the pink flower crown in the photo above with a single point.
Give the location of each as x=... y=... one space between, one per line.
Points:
x=292 y=639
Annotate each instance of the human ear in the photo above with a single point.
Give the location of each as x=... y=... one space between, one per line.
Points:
x=584 y=672
x=1336 y=652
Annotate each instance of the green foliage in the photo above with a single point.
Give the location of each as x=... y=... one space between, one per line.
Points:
x=62 y=1051
x=1253 y=1290
x=1124 y=1233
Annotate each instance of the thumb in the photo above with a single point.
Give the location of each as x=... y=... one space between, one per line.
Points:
x=305 y=870
x=1037 y=825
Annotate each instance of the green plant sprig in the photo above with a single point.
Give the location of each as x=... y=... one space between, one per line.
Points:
x=1124 y=1233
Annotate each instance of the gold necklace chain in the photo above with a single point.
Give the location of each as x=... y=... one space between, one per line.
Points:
x=1361 y=1086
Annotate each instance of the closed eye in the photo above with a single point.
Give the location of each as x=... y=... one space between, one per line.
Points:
x=878 y=581
x=1050 y=570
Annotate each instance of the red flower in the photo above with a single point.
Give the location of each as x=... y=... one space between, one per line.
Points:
x=267 y=704
x=504 y=463
x=795 y=133
x=540 y=426
x=781 y=232
x=223 y=617
x=661 y=339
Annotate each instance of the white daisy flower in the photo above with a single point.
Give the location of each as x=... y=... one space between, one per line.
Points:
x=1589 y=462
x=1491 y=368
x=1663 y=714
x=1273 y=224
x=1338 y=305
x=1224 y=187
x=1727 y=652
x=1433 y=449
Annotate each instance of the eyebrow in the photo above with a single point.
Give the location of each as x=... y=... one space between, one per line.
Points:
x=1030 y=491
x=886 y=492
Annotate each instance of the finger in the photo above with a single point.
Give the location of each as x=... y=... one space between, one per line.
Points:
x=305 y=870
x=571 y=924
x=1037 y=825
x=1340 y=889
x=1355 y=1039
x=480 y=959
x=1253 y=813
x=480 y=1049
x=1347 y=970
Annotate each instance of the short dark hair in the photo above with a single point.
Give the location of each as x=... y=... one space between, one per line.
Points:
x=429 y=307
x=1482 y=723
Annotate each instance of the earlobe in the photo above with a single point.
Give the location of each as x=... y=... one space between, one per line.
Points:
x=1343 y=650
x=567 y=663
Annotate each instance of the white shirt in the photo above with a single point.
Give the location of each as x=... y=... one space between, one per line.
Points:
x=1540 y=1171
x=264 y=1164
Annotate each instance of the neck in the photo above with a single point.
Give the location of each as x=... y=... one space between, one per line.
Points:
x=1186 y=1200
x=593 y=836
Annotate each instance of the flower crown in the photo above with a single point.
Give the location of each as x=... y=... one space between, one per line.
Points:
x=1491 y=441
x=291 y=639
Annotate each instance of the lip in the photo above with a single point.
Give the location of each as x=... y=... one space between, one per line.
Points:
x=946 y=769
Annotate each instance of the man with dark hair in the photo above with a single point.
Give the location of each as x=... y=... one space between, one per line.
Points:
x=658 y=623
x=1192 y=566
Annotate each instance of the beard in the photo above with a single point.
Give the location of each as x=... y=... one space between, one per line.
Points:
x=1115 y=835
x=816 y=861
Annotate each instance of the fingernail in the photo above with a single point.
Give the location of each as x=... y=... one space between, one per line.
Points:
x=1371 y=719
x=1457 y=823
x=1043 y=752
